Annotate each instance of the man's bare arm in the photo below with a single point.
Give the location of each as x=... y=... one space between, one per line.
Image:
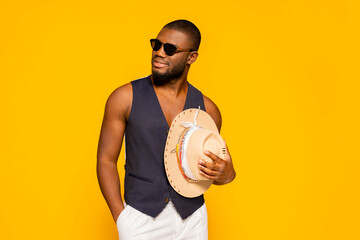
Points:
x=213 y=111
x=117 y=109
x=221 y=170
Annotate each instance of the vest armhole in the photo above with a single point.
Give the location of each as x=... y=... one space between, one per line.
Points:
x=199 y=97
x=132 y=102
x=136 y=86
x=203 y=100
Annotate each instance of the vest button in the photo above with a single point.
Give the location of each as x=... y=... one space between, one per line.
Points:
x=166 y=200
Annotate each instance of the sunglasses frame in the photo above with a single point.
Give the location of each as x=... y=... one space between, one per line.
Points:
x=177 y=49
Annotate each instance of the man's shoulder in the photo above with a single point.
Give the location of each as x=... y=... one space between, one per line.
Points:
x=120 y=100
x=121 y=92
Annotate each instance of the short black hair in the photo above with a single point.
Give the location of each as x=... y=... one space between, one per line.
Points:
x=188 y=28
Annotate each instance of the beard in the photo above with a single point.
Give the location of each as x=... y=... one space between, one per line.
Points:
x=163 y=78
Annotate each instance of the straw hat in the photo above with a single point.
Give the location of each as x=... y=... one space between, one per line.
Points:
x=191 y=133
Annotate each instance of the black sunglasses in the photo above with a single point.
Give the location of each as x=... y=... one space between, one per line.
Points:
x=169 y=48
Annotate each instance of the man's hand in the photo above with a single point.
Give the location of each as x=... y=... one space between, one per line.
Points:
x=221 y=170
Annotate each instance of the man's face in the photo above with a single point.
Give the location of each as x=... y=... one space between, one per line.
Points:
x=166 y=68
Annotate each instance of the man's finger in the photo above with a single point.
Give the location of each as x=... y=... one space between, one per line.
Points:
x=207 y=165
x=211 y=155
x=208 y=176
x=209 y=171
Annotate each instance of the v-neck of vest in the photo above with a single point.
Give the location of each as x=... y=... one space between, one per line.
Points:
x=158 y=102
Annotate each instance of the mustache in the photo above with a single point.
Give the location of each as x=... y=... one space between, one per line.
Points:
x=159 y=60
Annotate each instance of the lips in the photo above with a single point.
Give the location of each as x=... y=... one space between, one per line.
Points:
x=159 y=63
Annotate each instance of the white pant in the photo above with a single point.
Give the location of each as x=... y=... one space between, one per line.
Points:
x=168 y=225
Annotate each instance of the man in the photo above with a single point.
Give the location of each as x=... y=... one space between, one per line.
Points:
x=143 y=111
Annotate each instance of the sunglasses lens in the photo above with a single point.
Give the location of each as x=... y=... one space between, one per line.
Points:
x=155 y=44
x=169 y=49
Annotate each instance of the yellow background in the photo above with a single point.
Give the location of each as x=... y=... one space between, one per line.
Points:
x=285 y=75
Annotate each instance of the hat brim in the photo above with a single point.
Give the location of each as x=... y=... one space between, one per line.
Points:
x=173 y=173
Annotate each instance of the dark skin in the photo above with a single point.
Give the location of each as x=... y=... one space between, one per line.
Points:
x=171 y=96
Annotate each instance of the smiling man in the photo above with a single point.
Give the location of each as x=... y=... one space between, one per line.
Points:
x=143 y=110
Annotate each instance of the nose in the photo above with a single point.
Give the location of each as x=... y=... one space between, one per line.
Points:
x=160 y=52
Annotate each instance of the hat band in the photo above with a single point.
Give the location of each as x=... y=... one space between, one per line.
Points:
x=181 y=148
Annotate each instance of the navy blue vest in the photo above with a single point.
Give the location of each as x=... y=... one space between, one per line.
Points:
x=146 y=186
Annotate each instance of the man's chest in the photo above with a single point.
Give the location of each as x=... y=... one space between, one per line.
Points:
x=171 y=107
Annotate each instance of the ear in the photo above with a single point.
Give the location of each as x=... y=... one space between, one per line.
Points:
x=192 y=57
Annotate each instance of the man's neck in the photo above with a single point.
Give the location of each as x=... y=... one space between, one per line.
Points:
x=174 y=87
